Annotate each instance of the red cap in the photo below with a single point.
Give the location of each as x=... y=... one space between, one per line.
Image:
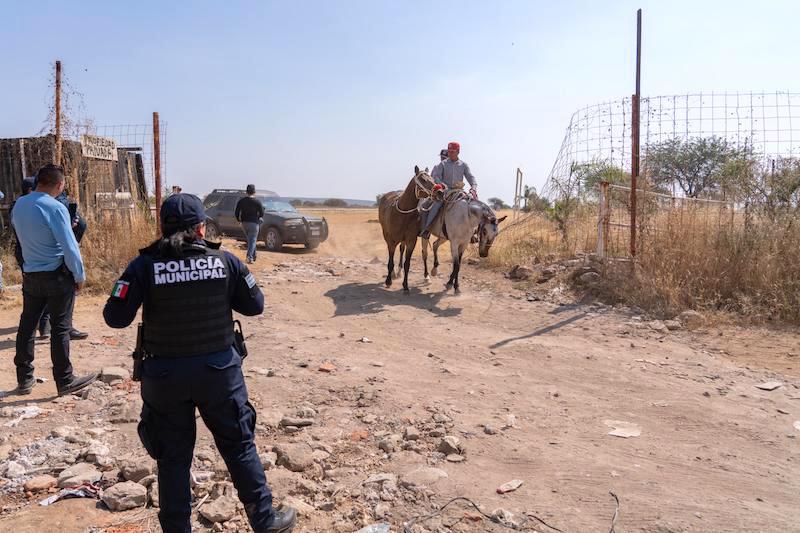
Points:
x=453 y=146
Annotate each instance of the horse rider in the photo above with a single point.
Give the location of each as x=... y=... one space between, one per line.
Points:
x=448 y=174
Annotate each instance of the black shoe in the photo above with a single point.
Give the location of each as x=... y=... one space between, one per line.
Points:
x=284 y=520
x=24 y=389
x=76 y=384
x=44 y=331
x=76 y=335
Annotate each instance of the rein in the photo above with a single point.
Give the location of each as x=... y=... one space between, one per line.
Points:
x=418 y=189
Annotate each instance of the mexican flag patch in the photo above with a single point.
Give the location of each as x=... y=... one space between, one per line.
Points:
x=120 y=289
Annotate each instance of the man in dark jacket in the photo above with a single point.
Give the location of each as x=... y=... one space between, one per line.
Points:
x=188 y=289
x=250 y=213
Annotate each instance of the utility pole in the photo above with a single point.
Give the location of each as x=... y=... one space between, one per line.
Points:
x=157 y=166
x=57 y=159
x=635 y=131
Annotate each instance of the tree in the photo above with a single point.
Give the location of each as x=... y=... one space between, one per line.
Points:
x=334 y=202
x=772 y=187
x=533 y=202
x=497 y=204
x=296 y=202
x=590 y=175
x=310 y=203
x=697 y=166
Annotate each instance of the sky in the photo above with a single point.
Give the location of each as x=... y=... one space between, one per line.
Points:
x=343 y=99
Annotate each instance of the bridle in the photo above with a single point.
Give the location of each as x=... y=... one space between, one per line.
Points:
x=420 y=192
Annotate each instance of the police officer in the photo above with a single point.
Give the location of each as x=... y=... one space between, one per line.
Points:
x=188 y=287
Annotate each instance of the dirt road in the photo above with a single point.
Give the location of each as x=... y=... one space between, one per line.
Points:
x=531 y=390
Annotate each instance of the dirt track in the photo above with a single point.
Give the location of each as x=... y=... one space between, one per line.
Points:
x=715 y=453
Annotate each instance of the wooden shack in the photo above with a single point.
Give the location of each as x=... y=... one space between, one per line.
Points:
x=91 y=181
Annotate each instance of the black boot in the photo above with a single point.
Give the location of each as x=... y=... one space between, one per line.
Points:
x=77 y=335
x=24 y=389
x=76 y=383
x=283 y=522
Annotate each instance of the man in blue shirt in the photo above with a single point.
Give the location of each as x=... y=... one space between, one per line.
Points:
x=52 y=271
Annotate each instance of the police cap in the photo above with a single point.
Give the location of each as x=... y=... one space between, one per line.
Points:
x=180 y=212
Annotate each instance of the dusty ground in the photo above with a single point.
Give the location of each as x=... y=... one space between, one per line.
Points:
x=715 y=453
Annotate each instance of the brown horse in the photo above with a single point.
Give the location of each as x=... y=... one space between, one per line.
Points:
x=400 y=222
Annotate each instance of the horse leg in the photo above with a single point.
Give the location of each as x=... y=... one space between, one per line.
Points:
x=435 y=271
x=457 y=269
x=407 y=264
x=391 y=264
x=396 y=273
x=425 y=243
x=456 y=262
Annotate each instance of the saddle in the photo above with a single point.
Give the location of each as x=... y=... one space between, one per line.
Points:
x=447 y=197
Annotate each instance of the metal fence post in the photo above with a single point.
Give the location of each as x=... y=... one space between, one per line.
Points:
x=635 y=131
x=603 y=221
x=157 y=167
x=57 y=155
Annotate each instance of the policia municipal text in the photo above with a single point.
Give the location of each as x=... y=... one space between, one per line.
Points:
x=188 y=289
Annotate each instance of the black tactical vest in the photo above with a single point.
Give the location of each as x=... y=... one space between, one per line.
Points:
x=187 y=311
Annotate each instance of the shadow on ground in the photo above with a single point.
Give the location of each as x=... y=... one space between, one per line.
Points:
x=373 y=298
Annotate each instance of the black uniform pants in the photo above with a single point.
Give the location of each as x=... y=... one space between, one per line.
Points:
x=171 y=389
x=56 y=292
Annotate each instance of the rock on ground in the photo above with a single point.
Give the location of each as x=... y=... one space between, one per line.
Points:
x=302 y=508
x=220 y=510
x=40 y=483
x=450 y=445
x=109 y=374
x=136 y=469
x=422 y=477
x=79 y=474
x=124 y=496
x=295 y=457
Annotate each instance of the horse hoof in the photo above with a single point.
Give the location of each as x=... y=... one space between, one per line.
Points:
x=448 y=286
x=435 y=272
x=406 y=291
x=388 y=283
x=457 y=291
x=427 y=279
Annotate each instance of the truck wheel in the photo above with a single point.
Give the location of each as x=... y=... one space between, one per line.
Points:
x=273 y=240
x=312 y=245
x=212 y=231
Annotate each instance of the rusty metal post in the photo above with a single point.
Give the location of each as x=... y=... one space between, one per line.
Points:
x=635 y=131
x=603 y=222
x=57 y=155
x=157 y=167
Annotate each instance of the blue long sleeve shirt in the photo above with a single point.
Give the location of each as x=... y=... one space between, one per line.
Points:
x=44 y=230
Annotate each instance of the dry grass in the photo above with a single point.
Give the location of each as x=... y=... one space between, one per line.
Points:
x=109 y=245
x=687 y=259
x=752 y=271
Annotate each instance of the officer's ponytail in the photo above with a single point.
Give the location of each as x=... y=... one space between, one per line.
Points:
x=173 y=245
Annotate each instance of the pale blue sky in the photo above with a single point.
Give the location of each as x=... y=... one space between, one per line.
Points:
x=315 y=98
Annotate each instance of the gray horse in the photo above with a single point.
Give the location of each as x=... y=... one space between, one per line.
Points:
x=461 y=218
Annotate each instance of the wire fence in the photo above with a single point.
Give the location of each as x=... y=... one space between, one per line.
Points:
x=135 y=138
x=766 y=124
x=574 y=214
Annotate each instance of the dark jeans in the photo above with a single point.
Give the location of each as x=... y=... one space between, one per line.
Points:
x=431 y=214
x=251 y=233
x=56 y=291
x=171 y=390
